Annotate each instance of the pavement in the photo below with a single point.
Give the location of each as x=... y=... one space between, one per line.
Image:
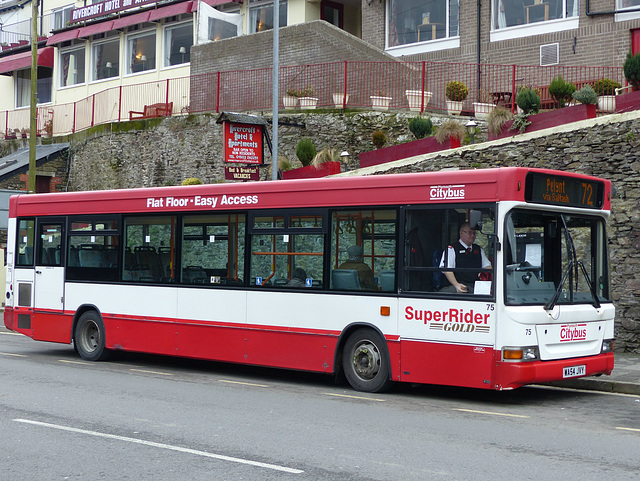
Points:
x=625 y=377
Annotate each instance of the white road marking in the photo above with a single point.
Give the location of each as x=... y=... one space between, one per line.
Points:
x=11 y=334
x=76 y=362
x=492 y=413
x=152 y=372
x=11 y=354
x=354 y=397
x=629 y=429
x=163 y=446
x=243 y=383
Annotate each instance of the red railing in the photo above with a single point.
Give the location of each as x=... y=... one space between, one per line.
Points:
x=353 y=84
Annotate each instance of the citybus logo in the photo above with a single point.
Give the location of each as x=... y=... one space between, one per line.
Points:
x=446 y=192
x=573 y=332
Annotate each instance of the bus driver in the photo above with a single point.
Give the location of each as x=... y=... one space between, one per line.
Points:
x=464 y=254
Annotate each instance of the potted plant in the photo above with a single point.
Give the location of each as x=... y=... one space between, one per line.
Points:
x=290 y=98
x=420 y=127
x=308 y=100
x=484 y=106
x=606 y=90
x=418 y=99
x=632 y=70
x=497 y=119
x=528 y=100
x=451 y=129
x=306 y=151
x=456 y=92
x=340 y=99
x=380 y=101
x=587 y=96
x=379 y=138
x=561 y=91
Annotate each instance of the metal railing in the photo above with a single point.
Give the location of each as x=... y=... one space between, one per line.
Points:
x=353 y=83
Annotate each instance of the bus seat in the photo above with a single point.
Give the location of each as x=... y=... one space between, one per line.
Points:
x=194 y=275
x=345 y=279
x=90 y=258
x=387 y=279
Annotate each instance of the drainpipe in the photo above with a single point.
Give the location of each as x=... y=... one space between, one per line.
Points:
x=477 y=48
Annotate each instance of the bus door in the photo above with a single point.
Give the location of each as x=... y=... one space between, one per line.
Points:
x=48 y=281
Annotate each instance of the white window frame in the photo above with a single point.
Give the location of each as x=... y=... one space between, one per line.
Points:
x=166 y=48
x=128 y=54
x=623 y=16
x=498 y=34
x=256 y=4
x=60 y=11
x=75 y=48
x=94 y=46
x=444 y=43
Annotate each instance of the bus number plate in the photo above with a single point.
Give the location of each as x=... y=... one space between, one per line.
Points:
x=573 y=371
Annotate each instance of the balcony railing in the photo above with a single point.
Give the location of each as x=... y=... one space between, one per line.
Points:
x=19 y=33
x=252 y=90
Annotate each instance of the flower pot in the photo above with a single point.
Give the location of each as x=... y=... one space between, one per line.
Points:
x=607 y=103
x=338 y=100
x=482 y=110
x=313 y=172
x=455 y=142
x=308 y=103
x=454 y=107
x=380 y=103
x=415 y=99
x=289 y=102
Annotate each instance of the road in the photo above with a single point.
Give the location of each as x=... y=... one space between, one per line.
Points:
x=142 y=417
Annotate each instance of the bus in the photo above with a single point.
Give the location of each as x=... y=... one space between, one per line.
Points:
x=348 y=276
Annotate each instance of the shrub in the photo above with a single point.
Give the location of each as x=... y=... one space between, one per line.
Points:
x=528 y=100
x=520 y=122
x=606 y=86
x=450 y=128
x=325 y=155
x=632 y=70
x=306 y=151
x=191 y=181
x=586 y=95
x=456 y=91
x=284 y=163
x=497 y=118
x=561 y=91
x=420 y=127
x=379 y=138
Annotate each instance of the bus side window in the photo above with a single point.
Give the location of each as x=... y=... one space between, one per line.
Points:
x=149 y=242
x=26 y=230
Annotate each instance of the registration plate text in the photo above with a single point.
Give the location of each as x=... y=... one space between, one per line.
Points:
x=573 y=371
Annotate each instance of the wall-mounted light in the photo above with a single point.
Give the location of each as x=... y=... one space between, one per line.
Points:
x=471 y=129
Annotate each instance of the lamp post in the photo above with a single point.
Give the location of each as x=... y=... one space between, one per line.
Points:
x=471 y=129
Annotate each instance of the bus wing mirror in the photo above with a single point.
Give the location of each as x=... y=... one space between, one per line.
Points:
x=475 y=219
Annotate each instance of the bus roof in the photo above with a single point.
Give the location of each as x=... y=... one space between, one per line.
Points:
x=482 y=185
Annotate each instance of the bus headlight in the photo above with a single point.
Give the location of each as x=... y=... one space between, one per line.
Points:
x=529 y=353
x=607 y=345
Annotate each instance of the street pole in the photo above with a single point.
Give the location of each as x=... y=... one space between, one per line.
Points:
x=276 y=76
x=34 y=96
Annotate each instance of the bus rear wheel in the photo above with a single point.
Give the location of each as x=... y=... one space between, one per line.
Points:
x=366 y=362
x=89 y=338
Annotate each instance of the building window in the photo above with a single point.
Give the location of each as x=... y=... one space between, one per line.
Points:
x=413 y=21
x=510 y=13
x=62 y=16
x=261 y=15
x=623 y=4
x=177 y=44
x=106 y=60
x=23 y=86
x=72 y=71
x=141 y=53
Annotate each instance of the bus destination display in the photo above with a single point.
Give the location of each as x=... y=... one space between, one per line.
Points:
x=569 y=191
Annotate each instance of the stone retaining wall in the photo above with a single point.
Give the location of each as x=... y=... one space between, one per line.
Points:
x=168 y=151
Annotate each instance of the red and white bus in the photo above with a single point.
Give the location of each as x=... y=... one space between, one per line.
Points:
x=257 y=273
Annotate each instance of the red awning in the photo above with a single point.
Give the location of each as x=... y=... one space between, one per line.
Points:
x=170 y=10
x=131 y=20
x=22 y=60
x=63 y=36
x=96 y=28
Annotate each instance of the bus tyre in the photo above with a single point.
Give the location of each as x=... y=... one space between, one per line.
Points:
x=366 y=362
x=89 y=338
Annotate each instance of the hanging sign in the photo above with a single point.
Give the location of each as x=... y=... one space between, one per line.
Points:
x=240 y=172
x=243 y=143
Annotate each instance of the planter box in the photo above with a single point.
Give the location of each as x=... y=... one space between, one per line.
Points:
x=415 y=99
x=289 y=102
x=380 y=103
x=482 y=110
x=311 y=172
x=454 y=107
x=338 y=100
x=607 y=103
x=552 y=118
x=308 y=103
x=628 y=101
x=402 y=151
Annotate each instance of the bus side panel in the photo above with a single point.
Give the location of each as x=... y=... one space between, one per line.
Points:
x=447 y=364
x=214 y=342
x=52 y=326
x=155 y=336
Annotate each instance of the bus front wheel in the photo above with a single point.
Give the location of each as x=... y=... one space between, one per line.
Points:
x=365 y=361
x=89 y=338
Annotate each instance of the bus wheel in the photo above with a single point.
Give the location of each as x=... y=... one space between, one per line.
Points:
x=365 y=361
x=89 y=339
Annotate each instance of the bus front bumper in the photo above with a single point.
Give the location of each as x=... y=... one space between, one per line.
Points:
x=510 y=375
